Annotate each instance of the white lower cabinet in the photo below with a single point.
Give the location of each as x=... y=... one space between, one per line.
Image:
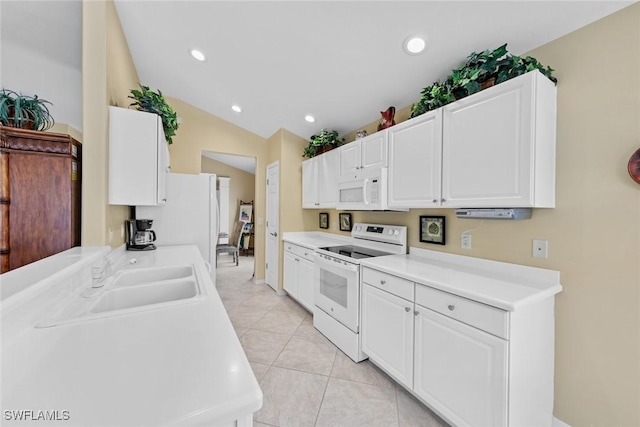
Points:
x=460 y=371
x=387 y=332
x=472 y=363
x=298 y=274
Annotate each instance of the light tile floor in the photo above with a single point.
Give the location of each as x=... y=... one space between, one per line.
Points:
x=305 y=379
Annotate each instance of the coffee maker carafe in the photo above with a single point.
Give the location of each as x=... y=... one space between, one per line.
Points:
x=140 y=236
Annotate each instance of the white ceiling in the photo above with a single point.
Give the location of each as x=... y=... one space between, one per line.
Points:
x=341 y=61
x=247 y=164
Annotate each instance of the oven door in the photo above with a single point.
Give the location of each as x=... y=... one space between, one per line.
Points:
x=337 y=290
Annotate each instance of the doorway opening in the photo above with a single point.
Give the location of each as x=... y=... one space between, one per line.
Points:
x=235 y=196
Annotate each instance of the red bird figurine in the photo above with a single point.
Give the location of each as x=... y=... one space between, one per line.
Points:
x=387 y=119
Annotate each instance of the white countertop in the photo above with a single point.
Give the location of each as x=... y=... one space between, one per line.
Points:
x=315 y=239
x=179 y=365
x=502 y=285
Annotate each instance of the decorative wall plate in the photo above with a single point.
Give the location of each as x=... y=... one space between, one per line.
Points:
x=634 y=166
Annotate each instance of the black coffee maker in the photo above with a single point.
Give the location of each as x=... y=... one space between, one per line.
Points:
x=139 y=235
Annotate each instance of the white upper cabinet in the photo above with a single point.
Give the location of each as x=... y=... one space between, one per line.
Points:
x=328 y=174
x=320 y=180
x=310 y=183
x=138 y=158
x=364 y=154
x=498 y=146
x=415 y=153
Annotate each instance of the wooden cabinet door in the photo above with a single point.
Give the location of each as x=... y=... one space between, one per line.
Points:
x=350 y=158
x=487 y=150
x=305 y=283
x=290 y=276
x=460 y=371
x=387 y=332
x=373 y=151
x=327 y=181
x=415 y=153
x=310 y=183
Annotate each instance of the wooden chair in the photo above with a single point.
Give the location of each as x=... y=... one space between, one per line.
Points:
x=233 y=247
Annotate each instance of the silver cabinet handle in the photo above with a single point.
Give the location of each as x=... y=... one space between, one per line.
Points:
x=451 y=307
x=382 y=282
x=415 y=313
x=435 y=200
x=407 y=309
x=274 y=234
x=443 y=200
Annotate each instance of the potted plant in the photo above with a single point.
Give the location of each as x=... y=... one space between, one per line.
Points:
x=321 y=143
x=478 y=72
x=24 y=111
x=154 y=102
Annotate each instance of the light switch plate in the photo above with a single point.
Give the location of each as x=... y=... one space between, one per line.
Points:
x=541 y=249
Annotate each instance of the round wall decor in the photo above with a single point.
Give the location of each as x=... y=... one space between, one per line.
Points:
x=634 y=166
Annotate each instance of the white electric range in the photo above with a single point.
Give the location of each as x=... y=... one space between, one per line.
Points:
x=337 y=282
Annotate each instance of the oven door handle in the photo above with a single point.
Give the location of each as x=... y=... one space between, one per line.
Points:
x=334 y=266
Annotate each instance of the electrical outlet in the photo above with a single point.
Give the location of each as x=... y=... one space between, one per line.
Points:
x=465 y=241
x=540 y=249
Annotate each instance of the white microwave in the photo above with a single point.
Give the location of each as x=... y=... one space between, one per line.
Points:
x=363 y=191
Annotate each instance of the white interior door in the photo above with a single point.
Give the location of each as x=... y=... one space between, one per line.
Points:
x=272 y=228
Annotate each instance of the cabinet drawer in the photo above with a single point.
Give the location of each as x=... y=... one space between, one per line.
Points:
x=299 y=251
x=392 y=284
x=478 y=315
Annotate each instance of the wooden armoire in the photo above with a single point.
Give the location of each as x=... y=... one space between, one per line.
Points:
x=40 y=206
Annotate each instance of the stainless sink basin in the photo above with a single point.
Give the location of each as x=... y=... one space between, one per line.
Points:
x=142 y=295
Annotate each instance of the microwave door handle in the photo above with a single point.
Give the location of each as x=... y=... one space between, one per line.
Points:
x=364 y=191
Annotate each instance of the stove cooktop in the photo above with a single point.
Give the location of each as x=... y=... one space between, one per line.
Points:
x=356 y=252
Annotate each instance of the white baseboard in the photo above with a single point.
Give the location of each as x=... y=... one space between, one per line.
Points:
x=258 y=281
x=281 y=292
x=559 y=423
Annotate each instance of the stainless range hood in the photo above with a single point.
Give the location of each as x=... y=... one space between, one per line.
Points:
x=494 y=213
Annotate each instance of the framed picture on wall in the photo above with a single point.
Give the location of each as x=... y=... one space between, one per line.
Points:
x=432 y=229
x=245 y=213
x=345 y=221
x=323 y=219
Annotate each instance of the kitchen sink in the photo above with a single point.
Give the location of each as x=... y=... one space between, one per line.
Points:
x=126 y=292
x=141 y=276
x=141 y=295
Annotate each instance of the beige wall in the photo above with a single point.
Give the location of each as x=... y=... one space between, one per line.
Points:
x=285 y=147
x=242 y=186
x=108 y=75
x=594 y=231
x=201 y=131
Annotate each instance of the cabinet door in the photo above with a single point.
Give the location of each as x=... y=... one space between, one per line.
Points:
x=415 y=153
x=488 y=147
x=373 y=151
x=310 y=183
x=328 y=173
x=163 y=165
x=134 y=157
x=350 y=158
x=460 y=371
x=387 y=332
x=305 y=284
x=290 y=275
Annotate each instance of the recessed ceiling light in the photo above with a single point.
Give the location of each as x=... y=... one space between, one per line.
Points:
x=236 y=108
x=197 y=55
x=310 y=118
x=415 y=44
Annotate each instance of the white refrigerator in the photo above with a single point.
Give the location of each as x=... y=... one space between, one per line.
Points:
x=189 y=216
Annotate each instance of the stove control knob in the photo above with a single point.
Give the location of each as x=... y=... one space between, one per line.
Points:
x=390 y=231
x=396 y=232
x=358 y=228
